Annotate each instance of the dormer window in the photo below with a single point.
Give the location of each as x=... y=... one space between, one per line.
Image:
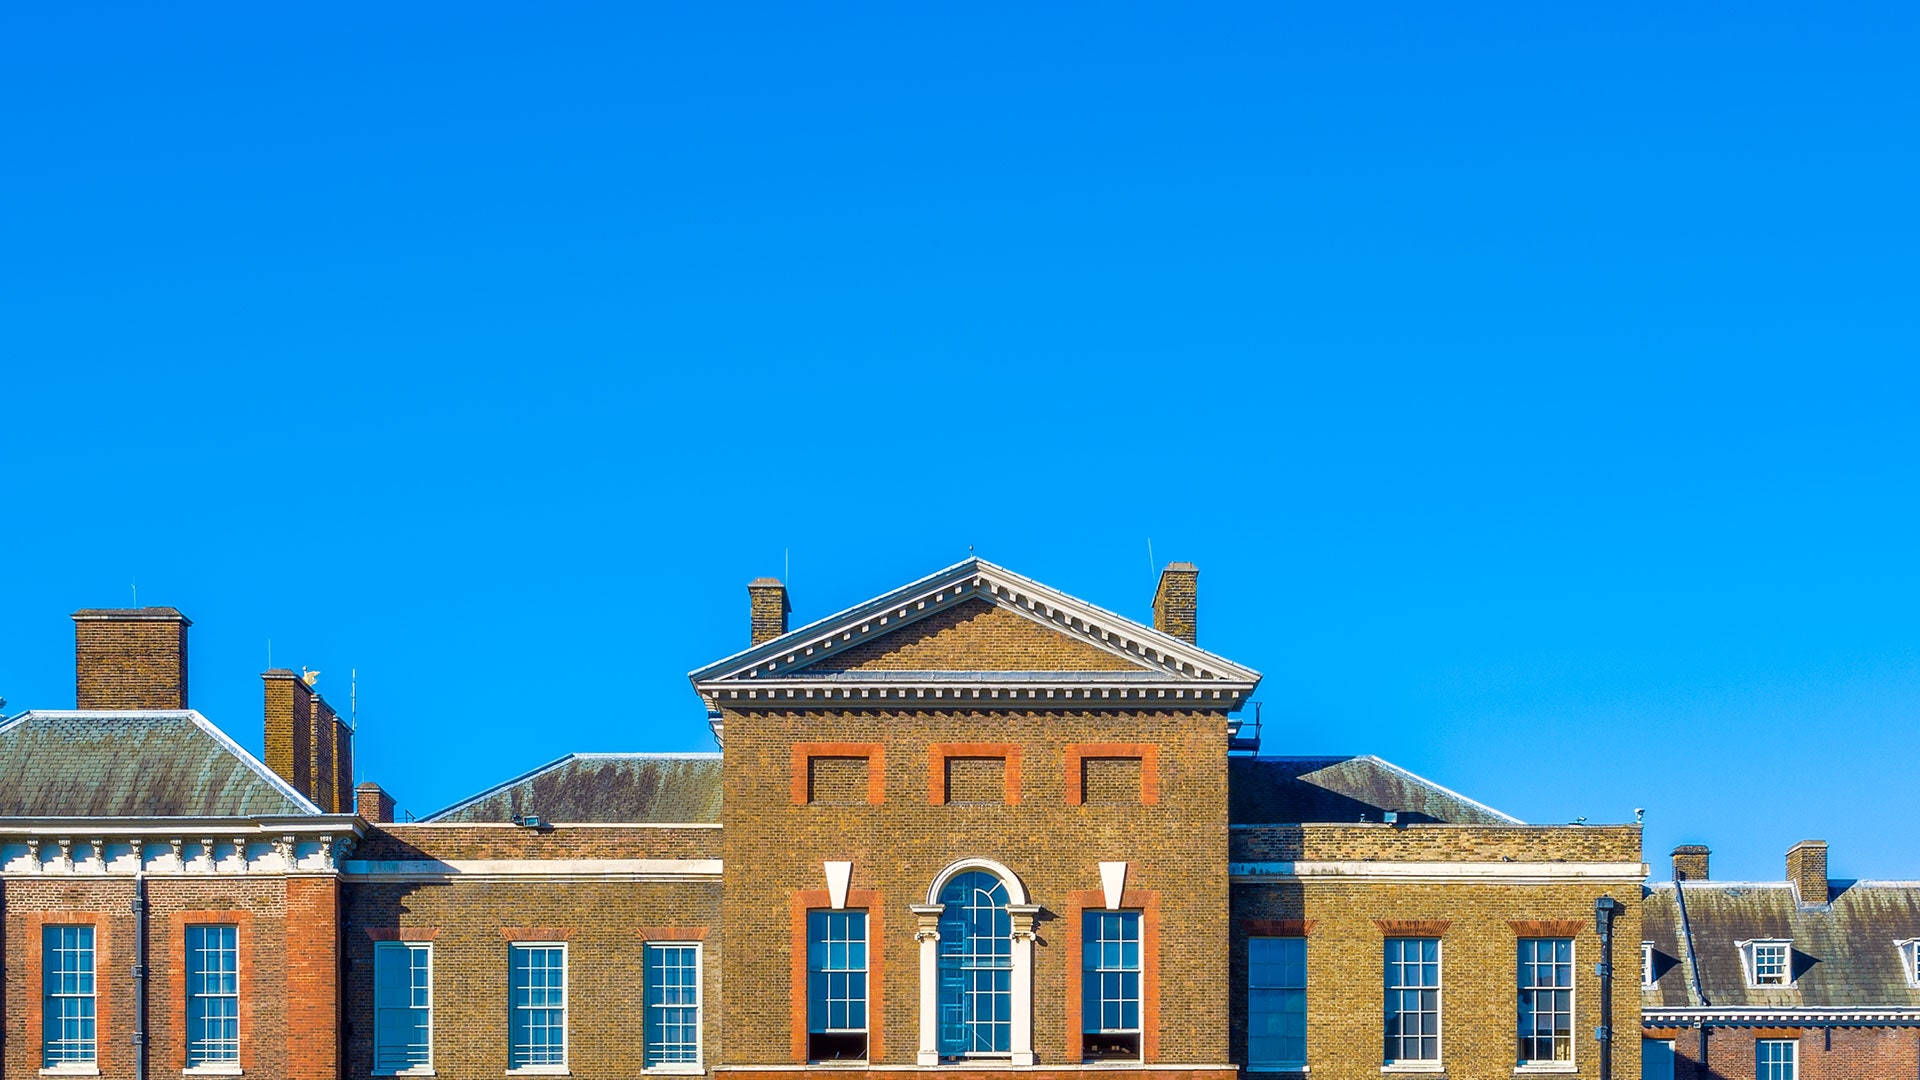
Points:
x=1646 y=963
x=1910 y=960
x=1769 y=962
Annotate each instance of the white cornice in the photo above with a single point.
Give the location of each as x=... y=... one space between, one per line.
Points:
x=1164 y=662
x=547 y=869
x=1245 y=873
x=1904 y=1015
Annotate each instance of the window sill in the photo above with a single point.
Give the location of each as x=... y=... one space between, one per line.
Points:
x=1546 y=1068
x=681 y=1069
x=72 y=1070
x=212 y=1070
x=540 y=1070
x=1430 y=1068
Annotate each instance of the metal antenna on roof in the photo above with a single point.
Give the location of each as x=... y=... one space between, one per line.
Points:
x=269 y=654
x=136 y=592
x=1150 y=563
x=353 y=699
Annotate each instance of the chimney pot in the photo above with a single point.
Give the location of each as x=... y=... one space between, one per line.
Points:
x=767 y=609
x=1807 y=870
x=373 y=804
x=1690 y=862
x=130 y=658
x=1176 y=602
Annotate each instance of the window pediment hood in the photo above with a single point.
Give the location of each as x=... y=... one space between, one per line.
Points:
x=1102 y=660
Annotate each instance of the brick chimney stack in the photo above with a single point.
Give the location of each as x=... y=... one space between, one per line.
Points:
x=130 y=658
x=767 y=608
x=1176 y=602
x=1807 y=870
x=1690 y=862
x=308 y=745
x=373 y=803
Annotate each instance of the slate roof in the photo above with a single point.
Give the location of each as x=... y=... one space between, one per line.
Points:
x=1844 y=954
x=602 y=789
x=1294 y=790
x=147 y=763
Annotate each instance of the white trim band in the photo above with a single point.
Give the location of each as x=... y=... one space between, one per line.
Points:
x=1248 y=872
x=438 y=869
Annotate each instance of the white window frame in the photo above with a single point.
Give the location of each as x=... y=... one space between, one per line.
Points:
x=1793 y=1062
x=698 y=1064
x=1750 y=961
x=1271 y=1065
x=218 y=1061
x=71 y=1061
x=1435 y=1063
x=1646 y=964
x=865 y=971
x=1022 y=912
x=1910 y=959
x=566 y=1011
x=389 y=947
x=1573 y=1011
x=1138 y=971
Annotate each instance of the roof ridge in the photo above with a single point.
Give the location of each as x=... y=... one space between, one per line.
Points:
x=503 y=785
x=1442 y=788
x=259 y=767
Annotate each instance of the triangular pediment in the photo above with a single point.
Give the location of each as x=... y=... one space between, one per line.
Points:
x=976 y=631
x=975 y=635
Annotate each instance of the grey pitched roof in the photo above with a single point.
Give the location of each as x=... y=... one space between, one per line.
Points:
x=603 y=788
x=1844 y=954
x=146 y=763
x=1291 y=790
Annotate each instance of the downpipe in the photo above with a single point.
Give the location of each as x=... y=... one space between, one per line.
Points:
x=1604 y=909
x=140 y=975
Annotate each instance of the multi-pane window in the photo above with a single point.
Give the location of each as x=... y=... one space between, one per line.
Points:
x=67 y=1007
x=975 y=968
x=1277 y=1002
x=673 y=1005
x=836 y=985
x=1546 y=1000
x=1413 y=999
x=1646 y=963
x=213 y=995
x=1776 y=1059
x=537 y=997
x=1770 y=962
x=1110 y=984
x=402 y=1007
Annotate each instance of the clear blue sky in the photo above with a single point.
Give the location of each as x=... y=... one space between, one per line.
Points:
x=1535 y=389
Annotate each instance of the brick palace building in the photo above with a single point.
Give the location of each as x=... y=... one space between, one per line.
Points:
x=971 y=826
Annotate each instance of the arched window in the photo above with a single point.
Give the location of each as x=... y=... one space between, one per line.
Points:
x=976 y=966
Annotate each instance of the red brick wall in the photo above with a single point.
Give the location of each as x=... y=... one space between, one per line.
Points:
x=1825 y=1054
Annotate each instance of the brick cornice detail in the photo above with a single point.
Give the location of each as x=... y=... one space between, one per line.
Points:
x=1276 y=927
x=1147 y=754
x=535 y=933
x=1412 y=927
x=939 y=753
x=871 y=901
x=106 y=1050
x=1547 y=927
x=242 y=921
x=403 y=933
x=1147 y=903
x=1776 y=1033
x=876 y=756
x=672 y=933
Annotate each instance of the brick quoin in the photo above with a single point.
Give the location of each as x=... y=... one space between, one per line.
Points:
x=313 y=978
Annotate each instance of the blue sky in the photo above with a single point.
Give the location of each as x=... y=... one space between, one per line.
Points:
x=1534 y=388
